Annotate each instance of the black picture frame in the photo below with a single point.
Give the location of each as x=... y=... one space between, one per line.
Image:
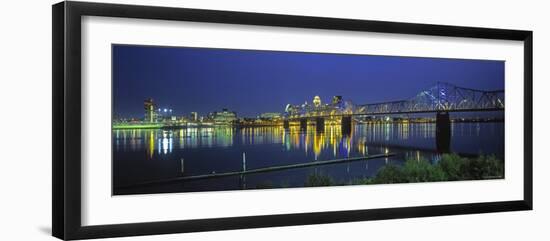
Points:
x=66 y=127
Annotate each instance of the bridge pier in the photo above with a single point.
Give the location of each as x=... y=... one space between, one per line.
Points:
x=286 y=124
x=303 y=124
x=346 y=125
x=443 y=132
x=320 y=124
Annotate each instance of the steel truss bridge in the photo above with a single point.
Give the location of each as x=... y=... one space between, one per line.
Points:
x=442 y=97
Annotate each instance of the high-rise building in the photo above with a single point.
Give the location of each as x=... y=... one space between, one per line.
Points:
x=194 y=116
x=337 y=99
x=150 y=114
x=316 y=101
x=337 y=105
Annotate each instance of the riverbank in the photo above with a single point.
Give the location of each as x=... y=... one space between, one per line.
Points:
x=451 y=167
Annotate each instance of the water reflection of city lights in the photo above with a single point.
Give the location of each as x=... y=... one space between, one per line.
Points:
x=316 y=144
x=166 y=144
x=151 y=148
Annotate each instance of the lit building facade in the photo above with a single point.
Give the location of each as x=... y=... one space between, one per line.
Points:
x=337 y=99
x=223 y=117
x=271 y=115
x=337 y=107
x=150 y=113
x=317 y=101
x=194 y=116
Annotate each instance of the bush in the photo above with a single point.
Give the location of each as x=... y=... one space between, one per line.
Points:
x=423 y=171
x=451 y=167
x=452 y=164
x=318 y=180
x=389 y=174
x=490 y=167
x=482 y=167
x=361 y=181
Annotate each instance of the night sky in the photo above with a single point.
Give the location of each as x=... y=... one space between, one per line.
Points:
x=251 y=82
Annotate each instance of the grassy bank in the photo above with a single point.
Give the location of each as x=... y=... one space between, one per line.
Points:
x=451 y=167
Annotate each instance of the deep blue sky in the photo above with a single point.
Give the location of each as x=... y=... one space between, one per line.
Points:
x=252 y=82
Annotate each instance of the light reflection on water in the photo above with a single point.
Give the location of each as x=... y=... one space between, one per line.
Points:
x=310 y=141
x=150 y=154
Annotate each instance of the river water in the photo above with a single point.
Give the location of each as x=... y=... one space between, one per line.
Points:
x=144 y=155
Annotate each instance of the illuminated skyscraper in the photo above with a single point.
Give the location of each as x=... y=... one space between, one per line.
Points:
x=150 y=114
x=194 y=116
x=316 y=101
x=337 y=99
x=336 y=106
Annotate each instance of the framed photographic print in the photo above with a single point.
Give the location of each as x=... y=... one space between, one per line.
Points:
x=170 y=120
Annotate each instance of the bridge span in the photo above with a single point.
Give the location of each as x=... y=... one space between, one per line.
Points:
x=440 y=99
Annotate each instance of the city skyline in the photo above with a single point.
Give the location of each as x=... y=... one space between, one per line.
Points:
x=251 y=82
x=368 y=119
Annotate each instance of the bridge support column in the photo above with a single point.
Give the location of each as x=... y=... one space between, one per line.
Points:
x=320 y=124
x=286 y=124
x=346 y=125
x=443 y=132
x=303 y=124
